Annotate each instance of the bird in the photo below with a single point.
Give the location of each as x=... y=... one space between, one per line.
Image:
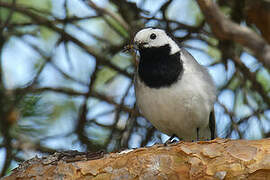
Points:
x=173 y=91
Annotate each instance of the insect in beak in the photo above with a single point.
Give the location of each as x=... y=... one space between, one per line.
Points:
x=132 y=48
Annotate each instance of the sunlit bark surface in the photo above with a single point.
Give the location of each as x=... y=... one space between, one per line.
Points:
x=217 y=159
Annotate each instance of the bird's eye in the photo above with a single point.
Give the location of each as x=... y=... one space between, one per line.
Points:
x=153 y=36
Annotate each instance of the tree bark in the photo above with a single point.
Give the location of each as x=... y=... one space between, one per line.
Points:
x=216 y=159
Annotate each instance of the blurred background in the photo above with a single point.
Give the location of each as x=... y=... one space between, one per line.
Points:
x=66 y=84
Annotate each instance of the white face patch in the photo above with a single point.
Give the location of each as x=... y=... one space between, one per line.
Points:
x=155 y=38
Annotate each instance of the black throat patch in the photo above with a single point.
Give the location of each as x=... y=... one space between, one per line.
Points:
x=157 y=68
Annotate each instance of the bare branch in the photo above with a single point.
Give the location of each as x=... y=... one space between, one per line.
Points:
x=224 y=29
x=43 y=21
x=105 y=11
x=71 y=92
x=217 y=159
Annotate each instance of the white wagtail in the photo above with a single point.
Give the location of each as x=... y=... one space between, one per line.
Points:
x=174 y=92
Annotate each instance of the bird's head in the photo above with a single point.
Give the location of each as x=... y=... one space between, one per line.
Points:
x=154 y=38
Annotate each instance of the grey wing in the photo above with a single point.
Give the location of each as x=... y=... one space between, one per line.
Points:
x=199 y=68
x=212 y=124
x=209 y=88
x=203 y=73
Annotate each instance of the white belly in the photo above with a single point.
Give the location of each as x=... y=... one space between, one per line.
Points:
x=178 y=110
